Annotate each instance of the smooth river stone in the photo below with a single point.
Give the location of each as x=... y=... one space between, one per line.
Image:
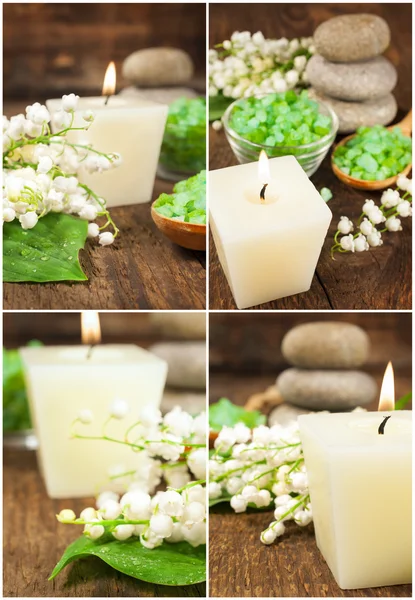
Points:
x=352 y=115
x=326 y=390
x=356 y=82
x=179 y=325
x=164 y=95
x=350 y=38
x=186 y=361
x=326 y=345
x=156 y=67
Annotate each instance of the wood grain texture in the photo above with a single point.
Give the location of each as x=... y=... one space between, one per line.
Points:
x=66 y=47
x=142 y=270
x=381 y=278
x=34 y=542
x=250 y=343
x=240 y=565
x=141 y=328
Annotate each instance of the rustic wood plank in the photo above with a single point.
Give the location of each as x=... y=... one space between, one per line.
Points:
x=67 y=46
x=241 y=566
x=142 y=270
x=381 y=278
x=250 y=343
x=141 y=328
x=34 y=542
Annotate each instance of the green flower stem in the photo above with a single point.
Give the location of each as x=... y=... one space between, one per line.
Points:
x=105 y=425
x=216 y=452
x=41 y=139
x=129 y=430
x=166 y=466
x=304 y=499
x=89 y=148
x=106 y=439
x=244 y=468
x=259 y=477
x=125 y=474
x=130 y=444
x=296 y=464
x=112 y=523
x=104 y=212
x=189 y=485
x=175 y=443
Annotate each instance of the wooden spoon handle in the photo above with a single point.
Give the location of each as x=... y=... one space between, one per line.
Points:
x=406 y=124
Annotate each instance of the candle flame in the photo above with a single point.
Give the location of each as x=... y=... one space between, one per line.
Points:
x=387 y=391
x=263 y=168
x=109 y=80
x=91 y=329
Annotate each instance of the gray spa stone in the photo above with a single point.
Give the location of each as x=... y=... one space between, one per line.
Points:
x=156 y=67
x=350 y=38
x=326 y=345
x=356 y=82
x=352 y=115
x=164 y=95
x=186 y=361
x=326 y=390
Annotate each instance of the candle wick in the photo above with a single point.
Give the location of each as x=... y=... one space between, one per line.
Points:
x=381 y=429
x=106 y=100
x=89 y=353
x=262 y=193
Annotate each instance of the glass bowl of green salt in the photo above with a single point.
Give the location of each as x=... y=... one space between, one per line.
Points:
x=281 y=124
x=183 y=151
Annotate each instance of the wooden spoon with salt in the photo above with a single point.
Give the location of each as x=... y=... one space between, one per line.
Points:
x=406 y=127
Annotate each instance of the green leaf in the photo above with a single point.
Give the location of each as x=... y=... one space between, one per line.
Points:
x=15 y=405
x=225 y=413
x=48 y=252
x=169 y=564
x=402 y=402
x=217 y=106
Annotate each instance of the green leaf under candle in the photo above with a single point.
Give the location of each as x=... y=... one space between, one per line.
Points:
x=168 y=564
x=48 y=252
x=402 y=402
x=225 y=413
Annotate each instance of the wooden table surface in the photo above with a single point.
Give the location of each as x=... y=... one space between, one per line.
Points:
x=240 y=565
x=34 y=542
x=380 y=278
x=141 y=270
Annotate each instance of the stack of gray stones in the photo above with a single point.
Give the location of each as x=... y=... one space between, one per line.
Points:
x=349 y=74
x=326 y=358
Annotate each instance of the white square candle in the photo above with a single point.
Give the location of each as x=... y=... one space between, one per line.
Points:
x=267 y=250
x=61 y=381
x=133 y=127
x=361 y=494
